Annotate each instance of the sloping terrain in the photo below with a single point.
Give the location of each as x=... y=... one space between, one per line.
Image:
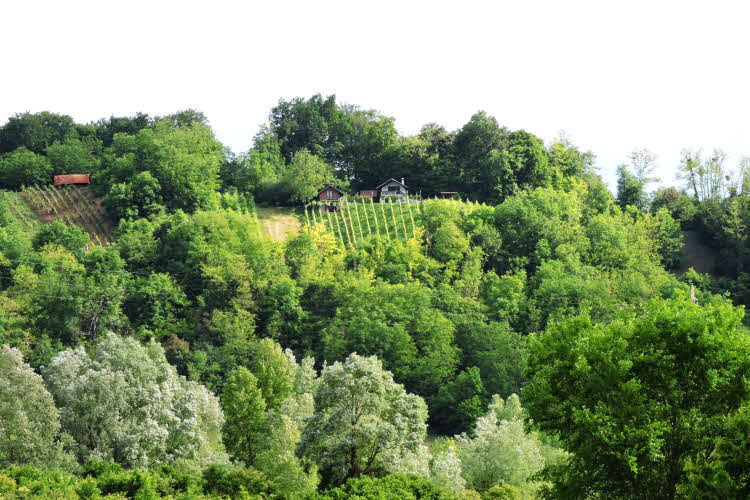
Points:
x=73 y=205
x=278 y=222
x=361 y=220
x=19 y=210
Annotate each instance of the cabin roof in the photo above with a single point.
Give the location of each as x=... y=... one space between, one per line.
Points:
x=388 y=182
x=329 y=186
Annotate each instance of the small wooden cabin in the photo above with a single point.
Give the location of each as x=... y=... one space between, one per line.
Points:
x=369 y=193
x=330 y=193
x=329 y=197
x=392 y=187
x=61 y=180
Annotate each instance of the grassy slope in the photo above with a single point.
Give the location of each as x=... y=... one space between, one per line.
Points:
x=279 y=222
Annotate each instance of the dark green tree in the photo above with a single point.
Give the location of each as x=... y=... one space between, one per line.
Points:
x=24 y=168
x=472 y=144
x=34 y=131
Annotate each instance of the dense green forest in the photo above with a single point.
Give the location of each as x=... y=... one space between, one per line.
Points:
x=539 y=337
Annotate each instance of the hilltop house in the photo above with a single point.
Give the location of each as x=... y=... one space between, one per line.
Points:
x=393 y=188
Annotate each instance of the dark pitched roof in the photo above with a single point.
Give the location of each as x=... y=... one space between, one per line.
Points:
x=389 y=180
x=331 y=187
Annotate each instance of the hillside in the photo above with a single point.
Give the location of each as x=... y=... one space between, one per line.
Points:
x=70 y=204
x=279 y=223
x=19 y=210
x=218 y=347
x=362 y=220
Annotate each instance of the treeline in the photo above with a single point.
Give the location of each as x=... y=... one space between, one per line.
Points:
x=233 y=356
x=141 y=163
x=482 y=160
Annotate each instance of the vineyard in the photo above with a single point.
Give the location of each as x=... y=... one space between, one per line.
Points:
x=360 y=220
x=19 y=210
x=71 y=205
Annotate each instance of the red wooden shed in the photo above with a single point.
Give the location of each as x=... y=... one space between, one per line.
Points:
x=72 y=179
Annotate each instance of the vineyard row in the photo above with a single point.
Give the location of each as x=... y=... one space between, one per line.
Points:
x=71 y=206
x=356 y=222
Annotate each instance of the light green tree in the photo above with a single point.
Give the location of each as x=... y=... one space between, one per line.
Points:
x=245 y=411
x=363 y=421
x=274 y=372
x=264 y=412
x=306 y=175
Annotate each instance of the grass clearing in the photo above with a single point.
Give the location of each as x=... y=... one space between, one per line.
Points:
x=279 y=222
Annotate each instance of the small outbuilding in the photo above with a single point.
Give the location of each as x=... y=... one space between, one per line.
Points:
x=369 y=193
x=61 y=180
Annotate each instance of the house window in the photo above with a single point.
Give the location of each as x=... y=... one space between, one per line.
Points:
x=329 y=194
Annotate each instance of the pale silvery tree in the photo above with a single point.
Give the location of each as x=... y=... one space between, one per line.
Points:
x=440 y=465
x=123 y=401
x=29 y=421
x=363 y=422
x=445 y=470
x=501 y=451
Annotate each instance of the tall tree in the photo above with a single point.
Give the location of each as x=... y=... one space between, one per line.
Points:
x=472 y=144
x=629 y=189
x=643 y=164
x=634 y=399
x=304 y=124
x=245 y=411
x=363 y=421
x=705 y=177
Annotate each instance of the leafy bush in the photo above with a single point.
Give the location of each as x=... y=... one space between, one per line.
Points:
x=391 y=487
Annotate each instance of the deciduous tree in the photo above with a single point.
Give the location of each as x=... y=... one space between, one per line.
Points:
x=362 y=421
x=634 y=399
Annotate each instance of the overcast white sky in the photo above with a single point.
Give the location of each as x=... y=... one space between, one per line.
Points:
x=656 y=74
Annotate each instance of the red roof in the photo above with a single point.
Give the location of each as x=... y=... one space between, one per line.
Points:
x=72 y=179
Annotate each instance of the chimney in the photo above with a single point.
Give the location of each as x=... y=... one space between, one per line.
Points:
x=402 y=181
